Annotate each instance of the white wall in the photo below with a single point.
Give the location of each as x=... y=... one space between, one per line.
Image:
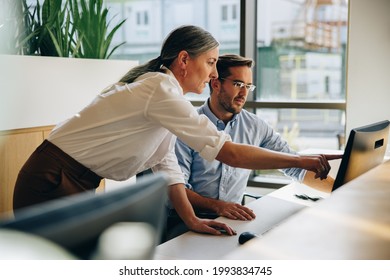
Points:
x=39 y=91
x=368 y=71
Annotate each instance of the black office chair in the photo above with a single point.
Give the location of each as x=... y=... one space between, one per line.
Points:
x=255 y=196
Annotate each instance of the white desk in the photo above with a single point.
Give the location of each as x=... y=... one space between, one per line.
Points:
x=191 y=245
x=353 y=223
x=288 y=192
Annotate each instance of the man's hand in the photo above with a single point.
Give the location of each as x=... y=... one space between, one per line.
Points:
x=234 y=211
x=183 y=207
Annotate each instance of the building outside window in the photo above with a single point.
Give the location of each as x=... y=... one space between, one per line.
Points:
x=224 y=13
x=142 y=18
x=301 y=72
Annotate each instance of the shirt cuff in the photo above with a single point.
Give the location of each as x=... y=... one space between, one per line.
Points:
x=301 y=176
x=209 y=153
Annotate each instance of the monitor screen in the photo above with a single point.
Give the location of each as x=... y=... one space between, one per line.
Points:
x=365 y=149
x=75 y=222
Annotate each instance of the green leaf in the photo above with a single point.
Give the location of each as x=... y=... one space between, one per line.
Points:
x=72 y=28
x=92 y=28
x=55 y=42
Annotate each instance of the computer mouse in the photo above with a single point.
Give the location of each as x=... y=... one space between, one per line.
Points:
x=246 y=236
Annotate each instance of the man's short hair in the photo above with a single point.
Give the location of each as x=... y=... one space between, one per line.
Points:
x=226 y=61
x=231 y=60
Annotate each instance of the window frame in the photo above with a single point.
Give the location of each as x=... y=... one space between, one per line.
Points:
x=248 y=48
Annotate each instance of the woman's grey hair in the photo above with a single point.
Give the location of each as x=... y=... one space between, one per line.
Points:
x=190 y=38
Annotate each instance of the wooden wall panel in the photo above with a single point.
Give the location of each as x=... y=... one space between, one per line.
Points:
x=14 y=151
x=15 y=148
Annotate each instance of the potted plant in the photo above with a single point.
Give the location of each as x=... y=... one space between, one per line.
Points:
x=16 y=27
x=70 y=28
x=53 y=29
x=93 y=38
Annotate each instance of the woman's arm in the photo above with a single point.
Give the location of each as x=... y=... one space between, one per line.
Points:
x=251 y=157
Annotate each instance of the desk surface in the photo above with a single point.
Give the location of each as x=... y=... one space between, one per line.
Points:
x=193 y=245
x=351 y=223
x=190 y=245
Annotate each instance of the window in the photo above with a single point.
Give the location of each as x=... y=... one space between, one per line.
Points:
x=149 y=21
x=234 y=12
x=142 y=18
x=301 y=71
x=224 y=13
x=229 y=13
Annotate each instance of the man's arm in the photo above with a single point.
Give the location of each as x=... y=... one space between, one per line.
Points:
x=184 y=158
x=229 y=210
x=183 y=207
x=180 y=202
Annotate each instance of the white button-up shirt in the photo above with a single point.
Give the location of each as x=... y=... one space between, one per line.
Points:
x=132 y=127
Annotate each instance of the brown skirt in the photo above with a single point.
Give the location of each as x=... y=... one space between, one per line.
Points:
x=50 y=173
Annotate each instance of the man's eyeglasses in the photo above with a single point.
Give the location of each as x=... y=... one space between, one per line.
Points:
x=240 y=85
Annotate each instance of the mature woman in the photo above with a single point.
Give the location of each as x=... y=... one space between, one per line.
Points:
x=132 y=126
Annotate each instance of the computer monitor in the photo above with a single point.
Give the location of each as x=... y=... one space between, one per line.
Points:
x=365 y=149
x=75 y=222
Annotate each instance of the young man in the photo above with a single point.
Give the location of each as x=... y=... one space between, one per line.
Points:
x=214 y=186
